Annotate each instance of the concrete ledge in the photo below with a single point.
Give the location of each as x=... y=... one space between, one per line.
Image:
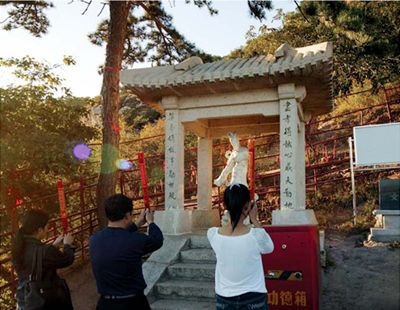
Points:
x=388 y=220
x=204 y=219
x=180 y=222
x=174 y=222
x=386 y=212
x=294 y=217
x=384 y=235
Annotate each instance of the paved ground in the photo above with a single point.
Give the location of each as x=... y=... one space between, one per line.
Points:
x=361 y=276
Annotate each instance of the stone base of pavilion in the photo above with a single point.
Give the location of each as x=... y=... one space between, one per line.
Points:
x=294 y=217
x=178 y=222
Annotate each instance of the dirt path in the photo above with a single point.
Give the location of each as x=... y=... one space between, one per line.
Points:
x=361 y=276
x=83 y=288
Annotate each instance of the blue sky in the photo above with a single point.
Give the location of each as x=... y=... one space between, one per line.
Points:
x=67 y=35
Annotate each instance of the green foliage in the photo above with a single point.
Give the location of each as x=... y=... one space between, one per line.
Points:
x=35 y=73
x=154 y=148
x=334 y=207
x=364 y=219
x=340 y=197
x=350 y=103
x=40 y=124
x=259 y=8
x=150 y=147
x=136 y=114
x=365 y=37
x=29 y=15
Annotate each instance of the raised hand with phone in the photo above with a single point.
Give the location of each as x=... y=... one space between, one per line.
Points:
x=253 y=214
x=146 y=216
x=150 y=216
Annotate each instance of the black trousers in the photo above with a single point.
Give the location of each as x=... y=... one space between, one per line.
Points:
x=139 y=302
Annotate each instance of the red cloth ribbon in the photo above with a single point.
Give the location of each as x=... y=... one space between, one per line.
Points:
x=143 y=177
x=63 y=208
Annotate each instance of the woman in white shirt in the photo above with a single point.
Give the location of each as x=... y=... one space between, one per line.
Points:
x=239 y=275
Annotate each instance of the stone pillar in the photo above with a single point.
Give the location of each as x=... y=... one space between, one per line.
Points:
x=174 y=220
x=292 y=160
x=204 y=173
x=204 y=217
x=301 y=164
x=174 y=161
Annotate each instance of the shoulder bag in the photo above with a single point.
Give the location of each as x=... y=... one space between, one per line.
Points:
x=41 y=293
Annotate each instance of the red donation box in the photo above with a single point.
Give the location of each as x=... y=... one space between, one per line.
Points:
x=292 y=271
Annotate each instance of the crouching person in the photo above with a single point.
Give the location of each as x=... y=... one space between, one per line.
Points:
x=116 y=253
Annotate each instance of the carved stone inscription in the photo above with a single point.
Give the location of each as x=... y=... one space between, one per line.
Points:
x=171 y=162
x=288 y=119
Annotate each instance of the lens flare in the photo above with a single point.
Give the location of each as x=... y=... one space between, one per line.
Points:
x=123 y=164
x=81 y=151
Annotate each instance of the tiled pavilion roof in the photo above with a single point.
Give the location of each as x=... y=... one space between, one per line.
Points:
x=310 y=66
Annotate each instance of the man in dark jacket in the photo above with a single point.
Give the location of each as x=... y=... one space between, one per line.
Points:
x=116 y=253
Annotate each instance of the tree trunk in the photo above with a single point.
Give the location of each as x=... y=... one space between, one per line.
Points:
x=110 y=105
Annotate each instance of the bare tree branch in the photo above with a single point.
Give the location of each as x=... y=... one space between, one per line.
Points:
x=101 y=11
x=301 y=11
x=87 y=7
x=3 y=21
x=171 y=3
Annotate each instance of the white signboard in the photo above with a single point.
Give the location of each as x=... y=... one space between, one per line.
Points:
x=377 y=144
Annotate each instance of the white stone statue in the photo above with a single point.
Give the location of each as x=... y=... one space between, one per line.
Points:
x=237 y=164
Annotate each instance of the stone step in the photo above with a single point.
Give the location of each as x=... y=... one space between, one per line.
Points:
x=179 y=304
x=193 y=271
x=199 y=242
x=185 y=288
x=201 y=255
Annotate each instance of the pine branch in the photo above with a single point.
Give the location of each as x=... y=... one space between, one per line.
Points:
x=3 y=21
x=87 y=7
x=301 y=11
x=101 y=11
x=160 y=26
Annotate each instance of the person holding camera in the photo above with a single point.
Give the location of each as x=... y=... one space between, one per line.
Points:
x=116 y=253
x=47 y=291
x=239 y=275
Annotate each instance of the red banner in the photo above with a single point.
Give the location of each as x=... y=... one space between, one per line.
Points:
x=251 y=172
x=143 y=177
x=63 y=207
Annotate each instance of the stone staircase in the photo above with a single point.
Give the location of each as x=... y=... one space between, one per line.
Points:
x=188 y=284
